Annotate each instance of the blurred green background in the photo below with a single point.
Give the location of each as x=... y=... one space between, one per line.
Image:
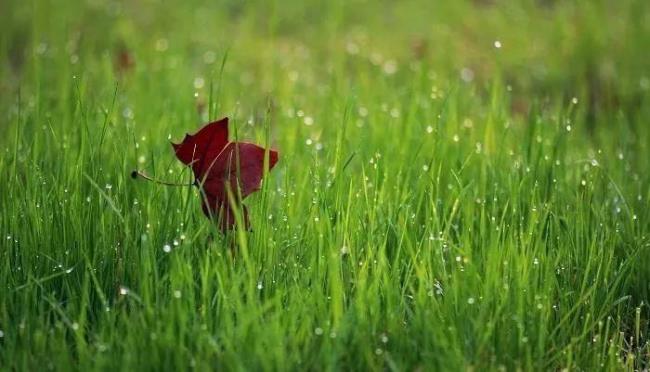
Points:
x=596 y=50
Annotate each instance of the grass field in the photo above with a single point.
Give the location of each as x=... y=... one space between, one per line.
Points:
x=462 y=185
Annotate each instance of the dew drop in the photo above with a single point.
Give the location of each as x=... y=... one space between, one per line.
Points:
x=199 y=82
x=467 y=75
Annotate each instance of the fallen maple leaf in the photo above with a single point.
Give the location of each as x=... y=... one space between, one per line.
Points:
x=219 y=164
x=123 y=61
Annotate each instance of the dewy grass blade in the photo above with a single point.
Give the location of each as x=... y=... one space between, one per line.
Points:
x=108 y=199
x=455 y=189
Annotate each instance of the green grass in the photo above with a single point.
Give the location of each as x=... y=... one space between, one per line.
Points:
x=451 y=206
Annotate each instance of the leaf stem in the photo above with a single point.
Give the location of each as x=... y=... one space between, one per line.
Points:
x=136 y=173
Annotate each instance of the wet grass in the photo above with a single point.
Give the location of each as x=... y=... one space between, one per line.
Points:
x=461 y=185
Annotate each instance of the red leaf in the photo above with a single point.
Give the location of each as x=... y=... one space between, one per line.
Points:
x=217 y=163
x=222 y=212
x=123 y=61
x=207 y=143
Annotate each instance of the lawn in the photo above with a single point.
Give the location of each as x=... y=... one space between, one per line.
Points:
x=462 y=185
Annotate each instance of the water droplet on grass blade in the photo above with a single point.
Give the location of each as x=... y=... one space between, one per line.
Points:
x=390 y=67
x=162 y=45
x=209 y=57
x=467 y=75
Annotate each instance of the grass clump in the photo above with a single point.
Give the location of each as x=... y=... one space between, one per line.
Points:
x=461 y=185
